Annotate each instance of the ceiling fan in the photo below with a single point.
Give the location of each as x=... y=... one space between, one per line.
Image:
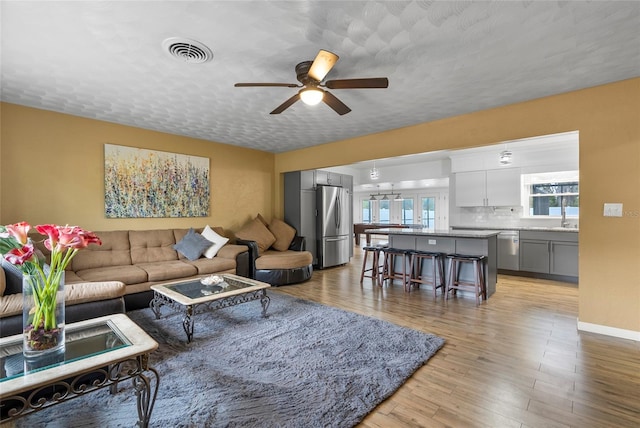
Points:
x=311 y=74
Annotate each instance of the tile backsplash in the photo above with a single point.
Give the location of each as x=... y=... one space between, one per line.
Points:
x=500 y=217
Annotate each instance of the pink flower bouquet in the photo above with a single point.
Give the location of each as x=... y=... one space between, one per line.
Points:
x=17 y=248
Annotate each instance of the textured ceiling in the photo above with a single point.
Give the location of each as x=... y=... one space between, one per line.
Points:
x=104 y=60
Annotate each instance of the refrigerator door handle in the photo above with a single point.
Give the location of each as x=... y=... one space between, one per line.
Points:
x=338 y=212
x=335 y=239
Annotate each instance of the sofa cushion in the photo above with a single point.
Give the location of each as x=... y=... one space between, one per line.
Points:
x=192 y=245
x=84 y=292
x=114 y=251
x=256 y=231
x=13 y=278
x=217 y=240
x=283 y=233
x=262 y=219
x=74 y=294
x=127 y=274
x=163 y=271
x=148 y=246
x=215 y=265
x=283 y=259
x=10 y=304
x=71 y=277
x=231 y=251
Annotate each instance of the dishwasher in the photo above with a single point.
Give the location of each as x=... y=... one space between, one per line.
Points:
x=509 y=250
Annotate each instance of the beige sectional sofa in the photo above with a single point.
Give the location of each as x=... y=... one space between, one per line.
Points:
x=140 y=258
x=117 y=275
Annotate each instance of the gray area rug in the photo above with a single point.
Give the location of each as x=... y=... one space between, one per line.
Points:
x=306 y=365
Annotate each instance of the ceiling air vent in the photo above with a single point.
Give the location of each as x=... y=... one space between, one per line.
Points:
x=186 y=50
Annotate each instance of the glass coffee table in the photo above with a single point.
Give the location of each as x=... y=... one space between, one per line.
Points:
x=194 y=296
x=99 y=353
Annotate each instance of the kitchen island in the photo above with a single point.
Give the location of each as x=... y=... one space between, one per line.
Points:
x=470 y=242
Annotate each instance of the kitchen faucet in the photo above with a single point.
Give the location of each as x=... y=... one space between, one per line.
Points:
x=563 y=210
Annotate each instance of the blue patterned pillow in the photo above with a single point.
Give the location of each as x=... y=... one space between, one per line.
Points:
x=193 y=245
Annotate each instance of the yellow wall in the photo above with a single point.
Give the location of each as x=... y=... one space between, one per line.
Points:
x=608 y=119
x=52 y=171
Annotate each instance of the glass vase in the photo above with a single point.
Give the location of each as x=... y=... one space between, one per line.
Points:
x=43 y=314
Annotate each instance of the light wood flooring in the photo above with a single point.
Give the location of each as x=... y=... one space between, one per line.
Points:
x=515 y=361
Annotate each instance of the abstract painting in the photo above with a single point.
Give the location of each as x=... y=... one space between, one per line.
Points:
x=149 y=183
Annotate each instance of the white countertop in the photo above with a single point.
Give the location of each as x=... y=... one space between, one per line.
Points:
x=480 y=234
x=532 y=228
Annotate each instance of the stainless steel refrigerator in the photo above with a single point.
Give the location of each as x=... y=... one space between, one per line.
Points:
x=333 y=226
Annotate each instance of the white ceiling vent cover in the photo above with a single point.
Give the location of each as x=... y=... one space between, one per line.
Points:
x=187 y=50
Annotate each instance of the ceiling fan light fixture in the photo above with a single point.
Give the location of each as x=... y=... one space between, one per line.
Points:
x=311 y=96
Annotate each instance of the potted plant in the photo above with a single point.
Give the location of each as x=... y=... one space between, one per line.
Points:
x=43 y=285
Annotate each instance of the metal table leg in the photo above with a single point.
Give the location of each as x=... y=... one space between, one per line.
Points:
x=187 y=323
x=264 y=301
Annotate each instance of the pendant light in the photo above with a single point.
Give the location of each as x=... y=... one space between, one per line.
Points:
x=374 y=173
x=505 y=157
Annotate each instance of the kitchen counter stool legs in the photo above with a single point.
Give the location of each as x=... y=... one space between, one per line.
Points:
x=454 y=283
x=372 y=272
x=430 y=274
x=397 y=265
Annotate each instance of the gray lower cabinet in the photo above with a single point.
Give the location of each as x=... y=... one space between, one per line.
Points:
x=553 y=253
x=534 y=256
x=564 y=258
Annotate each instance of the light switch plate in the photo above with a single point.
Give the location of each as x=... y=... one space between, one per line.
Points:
x=612 y=210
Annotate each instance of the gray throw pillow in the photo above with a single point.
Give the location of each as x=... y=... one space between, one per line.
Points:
x=192 y=245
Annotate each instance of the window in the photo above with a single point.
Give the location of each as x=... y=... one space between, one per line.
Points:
x=407 y=211
x=366 y=211
x=384 y=210
x=429 y=212
x=548 y=199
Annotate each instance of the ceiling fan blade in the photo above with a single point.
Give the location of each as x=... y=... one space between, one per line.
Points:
x=373 y=82
x=284 y=85
x=323 y=63
x=333 y=102
x=285 y=105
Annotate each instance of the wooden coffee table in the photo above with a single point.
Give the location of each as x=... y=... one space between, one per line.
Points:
x=99 y=353
x=192 y=296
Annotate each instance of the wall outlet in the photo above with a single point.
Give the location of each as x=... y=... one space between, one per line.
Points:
x=612 y=210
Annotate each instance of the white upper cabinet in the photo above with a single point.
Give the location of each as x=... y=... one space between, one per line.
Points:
x=493 y=188
x=471 y=189
x=503 y=187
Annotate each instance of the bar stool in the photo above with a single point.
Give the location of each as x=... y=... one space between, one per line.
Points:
x=374 y=271
x=477 y=286
x=421 y=274
x=390 y=269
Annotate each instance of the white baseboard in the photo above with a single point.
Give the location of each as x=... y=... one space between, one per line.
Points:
x=609 y=331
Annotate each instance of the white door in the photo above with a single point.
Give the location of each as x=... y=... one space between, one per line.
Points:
x=433 y=211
